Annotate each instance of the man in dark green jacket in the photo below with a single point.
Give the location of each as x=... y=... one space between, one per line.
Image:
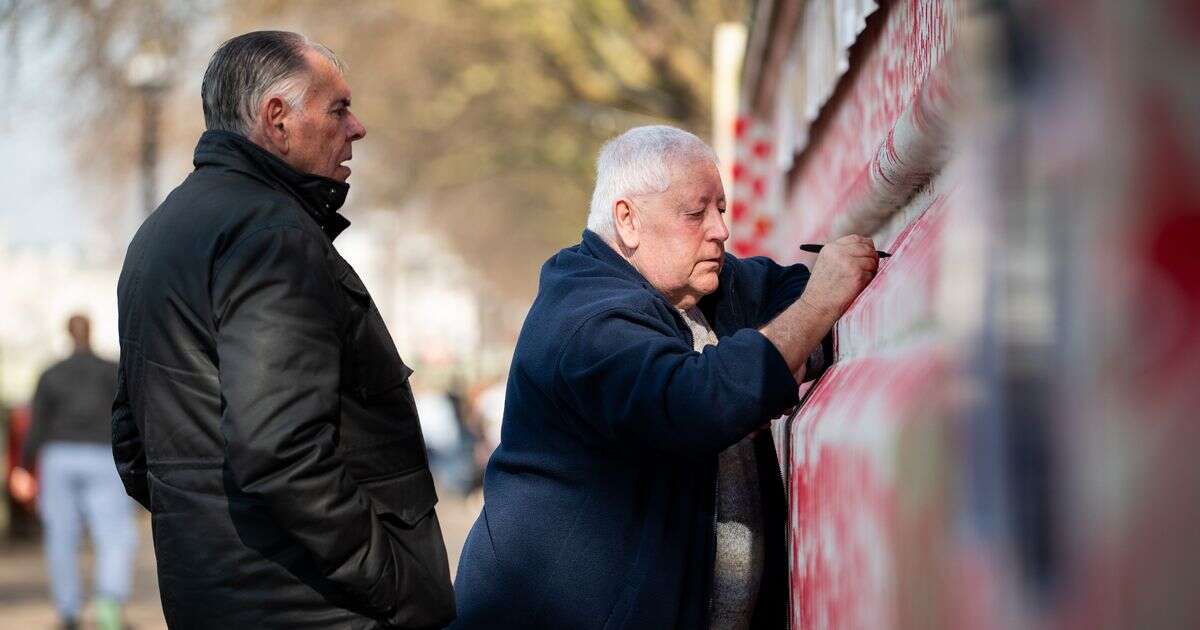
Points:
x=632 y=487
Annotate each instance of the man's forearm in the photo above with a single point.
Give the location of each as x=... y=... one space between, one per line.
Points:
x=841 y=272
x=797 y=331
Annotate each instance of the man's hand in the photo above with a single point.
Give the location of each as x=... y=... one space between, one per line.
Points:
x=842 y=271
x=22 y=485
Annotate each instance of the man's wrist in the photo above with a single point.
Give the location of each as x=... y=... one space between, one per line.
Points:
x=826 y=316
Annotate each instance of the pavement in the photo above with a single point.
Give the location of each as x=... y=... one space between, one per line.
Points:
x=25 y=598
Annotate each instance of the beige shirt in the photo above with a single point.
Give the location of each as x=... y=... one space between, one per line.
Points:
x=740 y=552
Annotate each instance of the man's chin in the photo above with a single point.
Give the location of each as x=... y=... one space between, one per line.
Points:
x=706 y=284
x=341 y=173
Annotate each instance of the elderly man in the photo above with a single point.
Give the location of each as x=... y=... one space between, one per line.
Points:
x=263 y=414
x=631 y=487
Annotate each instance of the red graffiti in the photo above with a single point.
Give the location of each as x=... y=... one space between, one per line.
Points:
x=737 y=171
x=737 y=211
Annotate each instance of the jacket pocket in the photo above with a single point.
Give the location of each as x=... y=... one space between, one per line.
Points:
x=404 y=504
x=410 y=496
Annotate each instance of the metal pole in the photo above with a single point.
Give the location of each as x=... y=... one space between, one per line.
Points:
x=150 y=116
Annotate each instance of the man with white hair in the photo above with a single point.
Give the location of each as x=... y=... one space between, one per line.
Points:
x=632 y=487
x=263 y=415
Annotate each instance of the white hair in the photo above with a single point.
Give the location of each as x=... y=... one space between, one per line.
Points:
x=638 y=162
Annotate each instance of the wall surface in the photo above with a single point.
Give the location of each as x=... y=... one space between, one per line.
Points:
x=1002 y=441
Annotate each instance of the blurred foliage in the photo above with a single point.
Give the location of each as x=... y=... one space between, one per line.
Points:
x=93 y=42
x=484 y=113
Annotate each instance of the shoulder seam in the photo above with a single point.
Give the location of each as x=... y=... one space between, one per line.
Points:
x=341 y=309
x=220 y=262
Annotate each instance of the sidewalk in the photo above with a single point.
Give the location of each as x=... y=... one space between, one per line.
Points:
x=25 y=593
x=25 y=597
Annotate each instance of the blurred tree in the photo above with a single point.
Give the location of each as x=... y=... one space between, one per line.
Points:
x=92 y=43
x=487 y=113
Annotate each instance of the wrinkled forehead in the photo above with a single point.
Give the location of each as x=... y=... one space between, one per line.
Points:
x=325 y=76
x=694 y=175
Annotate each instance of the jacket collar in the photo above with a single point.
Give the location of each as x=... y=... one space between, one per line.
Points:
x=320 y=197
x=722 y=313
x=593 y=245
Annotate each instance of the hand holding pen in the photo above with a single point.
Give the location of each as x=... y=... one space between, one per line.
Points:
x=840 y=273
x=816 y=249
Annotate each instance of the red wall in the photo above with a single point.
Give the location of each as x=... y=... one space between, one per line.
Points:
x=1007 y=438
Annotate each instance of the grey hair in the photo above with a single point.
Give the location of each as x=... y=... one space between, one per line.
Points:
x=637 y=162
x=252 y=67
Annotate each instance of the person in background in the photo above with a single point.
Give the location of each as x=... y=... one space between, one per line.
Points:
x=69 y=446
x=489 y=404
x=472 y=435
x=443 y=438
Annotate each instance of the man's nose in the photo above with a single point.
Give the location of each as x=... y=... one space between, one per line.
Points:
x=717 y=230
x=357 y=130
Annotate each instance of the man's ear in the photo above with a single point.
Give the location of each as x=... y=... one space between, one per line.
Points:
x=273 y=124
x=628 y=224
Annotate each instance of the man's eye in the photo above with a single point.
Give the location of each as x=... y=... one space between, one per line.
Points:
x=721 y=209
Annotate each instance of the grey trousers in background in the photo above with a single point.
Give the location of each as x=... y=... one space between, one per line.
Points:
x=79 y=486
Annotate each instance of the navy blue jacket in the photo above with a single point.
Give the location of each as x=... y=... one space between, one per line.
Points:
x=599 y=502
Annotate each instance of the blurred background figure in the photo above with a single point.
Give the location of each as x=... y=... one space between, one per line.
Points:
x=489 y=407
x=69 y=445
x=447 y=439
x=471 y=430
